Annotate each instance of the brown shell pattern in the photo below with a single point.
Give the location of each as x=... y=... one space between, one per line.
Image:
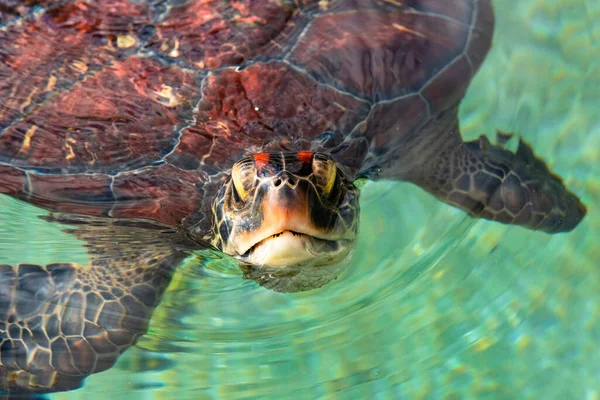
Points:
x=138 y=109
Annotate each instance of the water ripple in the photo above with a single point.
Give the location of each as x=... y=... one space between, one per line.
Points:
x=434 y=304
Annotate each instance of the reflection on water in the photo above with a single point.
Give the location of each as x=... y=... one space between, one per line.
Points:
x=434 y=304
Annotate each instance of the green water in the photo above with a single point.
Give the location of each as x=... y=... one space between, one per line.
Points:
x=435 y=305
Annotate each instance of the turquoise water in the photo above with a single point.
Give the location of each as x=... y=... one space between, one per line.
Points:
x=435 y=304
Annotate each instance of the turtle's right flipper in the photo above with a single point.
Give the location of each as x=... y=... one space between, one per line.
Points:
x=61 y=322
x=491 y=182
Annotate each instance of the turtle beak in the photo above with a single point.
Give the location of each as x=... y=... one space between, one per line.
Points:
x=288 y=233
x=293 y=248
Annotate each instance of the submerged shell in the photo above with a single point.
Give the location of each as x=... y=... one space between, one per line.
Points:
x=138 y=109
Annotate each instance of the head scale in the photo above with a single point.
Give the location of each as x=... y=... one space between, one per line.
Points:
x=286 y=210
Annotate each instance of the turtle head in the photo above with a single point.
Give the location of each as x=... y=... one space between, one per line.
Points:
x=286 y=209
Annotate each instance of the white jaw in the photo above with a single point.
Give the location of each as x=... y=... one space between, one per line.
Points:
x=282 y=249
x=291 y=248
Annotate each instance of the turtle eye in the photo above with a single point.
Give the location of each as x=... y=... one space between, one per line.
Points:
x=242 y=175
x=325 y=172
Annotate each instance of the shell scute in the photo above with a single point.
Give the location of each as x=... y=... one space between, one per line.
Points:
x=123 y=117
x=55 y=48
x=164 y=193
x=236 y=116
x=210 y=35
x=79 y=194
x=355 y=51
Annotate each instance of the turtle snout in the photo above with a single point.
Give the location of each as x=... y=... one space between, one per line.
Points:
x=287 y=191
x=283 y=179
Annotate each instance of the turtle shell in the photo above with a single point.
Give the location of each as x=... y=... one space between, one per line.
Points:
x=139 y=109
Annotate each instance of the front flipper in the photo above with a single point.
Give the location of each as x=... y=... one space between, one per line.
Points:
x=61 y=322
x=491 y=182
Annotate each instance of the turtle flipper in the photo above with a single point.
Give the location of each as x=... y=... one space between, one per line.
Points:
x=491 y=182
x=61 y=322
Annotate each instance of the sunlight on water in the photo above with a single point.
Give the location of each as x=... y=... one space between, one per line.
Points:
x=435 y=304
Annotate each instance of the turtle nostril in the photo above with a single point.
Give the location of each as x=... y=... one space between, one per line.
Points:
x=285 y=178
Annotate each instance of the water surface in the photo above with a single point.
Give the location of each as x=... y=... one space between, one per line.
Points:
x=435 y=304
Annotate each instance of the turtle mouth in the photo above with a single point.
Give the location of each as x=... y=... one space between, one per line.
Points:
x=276 y=235
x=289 y=247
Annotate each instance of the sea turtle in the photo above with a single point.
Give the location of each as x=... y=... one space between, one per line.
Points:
x=158 y=128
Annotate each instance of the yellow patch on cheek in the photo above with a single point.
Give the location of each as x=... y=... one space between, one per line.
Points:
x=242 y=174
x=239 y=186
x=330 y=177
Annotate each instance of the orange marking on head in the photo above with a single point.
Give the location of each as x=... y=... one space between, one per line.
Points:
x=261 y=160
x=305 y=156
